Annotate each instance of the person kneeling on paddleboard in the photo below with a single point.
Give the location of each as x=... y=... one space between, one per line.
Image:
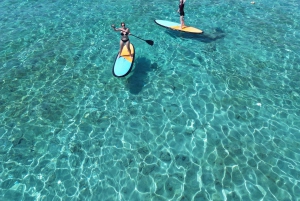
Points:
x=124 y=38
x=181 y=13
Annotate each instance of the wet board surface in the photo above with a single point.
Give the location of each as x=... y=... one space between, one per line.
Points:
x=123 y=64
x=176 y=26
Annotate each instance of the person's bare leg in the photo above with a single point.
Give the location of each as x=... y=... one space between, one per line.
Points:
x=121 y=47
x=128 y=47
x=182 y=22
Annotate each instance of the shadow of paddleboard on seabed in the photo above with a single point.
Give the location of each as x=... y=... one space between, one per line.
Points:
x=138 y=78
x=204 y=37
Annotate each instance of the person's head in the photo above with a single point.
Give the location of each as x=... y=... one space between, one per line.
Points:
x=122 y=24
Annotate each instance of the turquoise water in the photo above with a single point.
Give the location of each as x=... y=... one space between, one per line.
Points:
x=201 y=117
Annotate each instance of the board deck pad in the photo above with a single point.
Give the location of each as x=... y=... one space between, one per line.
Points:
x=176 y=26
x=123 y=64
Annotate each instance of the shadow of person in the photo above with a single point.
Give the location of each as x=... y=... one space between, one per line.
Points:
x=138 y=76
x=204 y=37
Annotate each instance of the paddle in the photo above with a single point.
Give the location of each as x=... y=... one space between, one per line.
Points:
x=150 y=42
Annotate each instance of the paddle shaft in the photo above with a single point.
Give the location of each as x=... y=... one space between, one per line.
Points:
x=150 y=42
x=137 y=37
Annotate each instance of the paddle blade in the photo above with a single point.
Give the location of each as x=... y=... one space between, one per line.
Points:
x=150 y=42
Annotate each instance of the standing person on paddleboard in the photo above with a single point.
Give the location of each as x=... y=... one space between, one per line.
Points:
x=124 y=37
x=181 y=13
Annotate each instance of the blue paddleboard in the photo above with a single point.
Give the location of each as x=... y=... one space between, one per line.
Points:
x=176 y=26
x=123 y=64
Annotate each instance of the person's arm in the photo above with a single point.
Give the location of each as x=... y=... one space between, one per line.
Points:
x=124 y=30
x=113 y=26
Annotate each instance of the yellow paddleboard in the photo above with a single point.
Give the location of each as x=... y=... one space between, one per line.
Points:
x=123 y=64
x=176 y=26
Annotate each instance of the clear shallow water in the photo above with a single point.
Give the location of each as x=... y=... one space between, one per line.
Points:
x=209 y=117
